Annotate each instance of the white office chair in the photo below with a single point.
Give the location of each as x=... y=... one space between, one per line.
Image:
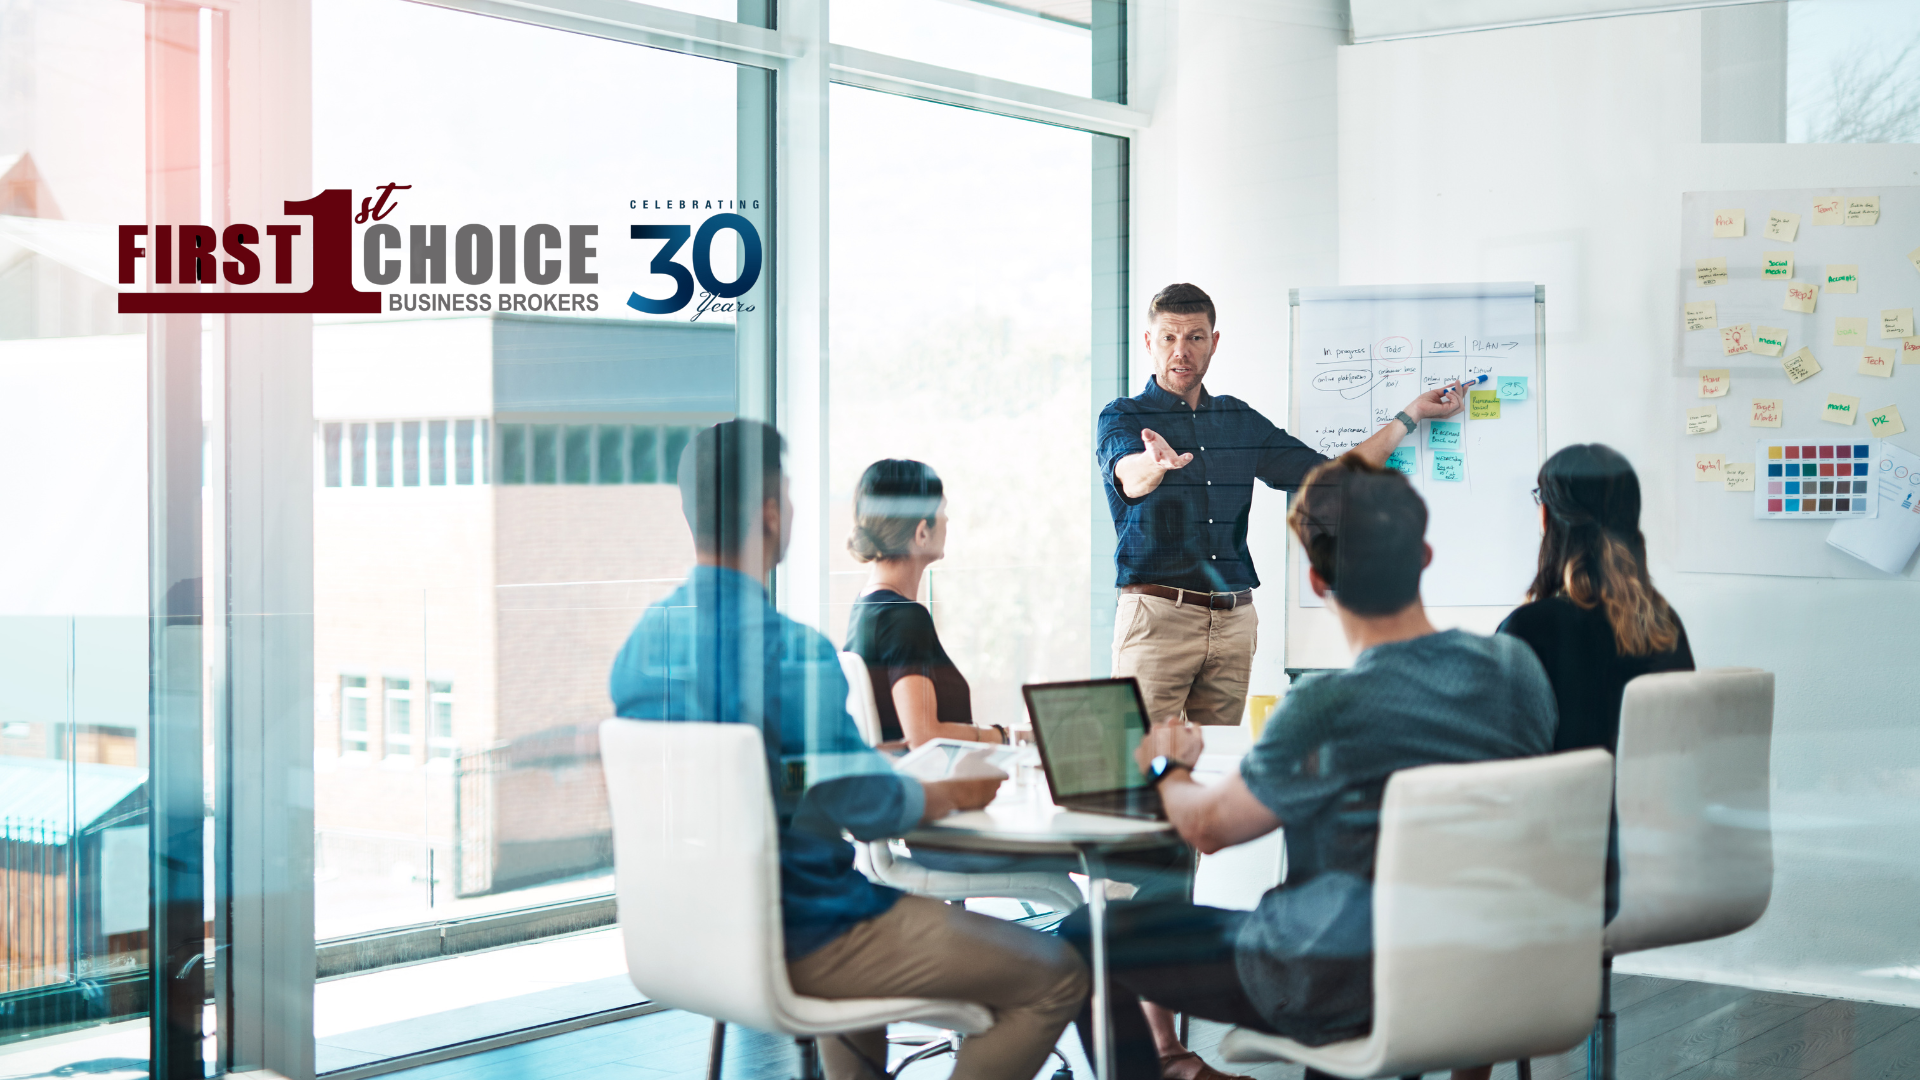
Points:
x=877 y=860
x=697 y=873
x=1696 y=841
x=1487 y=908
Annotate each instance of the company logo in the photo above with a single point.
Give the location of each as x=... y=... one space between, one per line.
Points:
x=180 y=257
x=331 y=291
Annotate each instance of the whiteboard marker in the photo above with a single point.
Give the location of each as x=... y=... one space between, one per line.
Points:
x=1463 y=384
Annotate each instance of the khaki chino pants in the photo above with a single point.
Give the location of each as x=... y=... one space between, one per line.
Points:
x=920 y=947
x=1187 y=657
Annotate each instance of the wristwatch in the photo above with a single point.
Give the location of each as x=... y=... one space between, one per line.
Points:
x=1159 y=767
x=1407 y=420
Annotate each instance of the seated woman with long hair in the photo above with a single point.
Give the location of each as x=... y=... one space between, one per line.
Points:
x=1592 y=614
x=900 y=528
x=1593 y=617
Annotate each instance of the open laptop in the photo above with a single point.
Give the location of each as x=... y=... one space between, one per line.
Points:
x=1087 y=733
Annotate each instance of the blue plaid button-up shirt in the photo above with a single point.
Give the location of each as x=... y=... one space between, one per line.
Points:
x=1191 y=531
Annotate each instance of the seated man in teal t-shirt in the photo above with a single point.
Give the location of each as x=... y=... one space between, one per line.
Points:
x=1301 y=964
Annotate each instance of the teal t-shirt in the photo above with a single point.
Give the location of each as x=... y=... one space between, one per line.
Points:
x=1305 y=955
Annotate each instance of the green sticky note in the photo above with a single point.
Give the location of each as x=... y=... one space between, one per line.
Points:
x=1443 y=434
x=1449 y=465
x=1483 y=405
x=1405 y=460
x=1513 y=388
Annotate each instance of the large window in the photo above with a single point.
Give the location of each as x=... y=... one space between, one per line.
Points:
x=491 y=500
x=982 y=369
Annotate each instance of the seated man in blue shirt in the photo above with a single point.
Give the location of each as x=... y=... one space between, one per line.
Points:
x=717 y=650
x=1301 y=963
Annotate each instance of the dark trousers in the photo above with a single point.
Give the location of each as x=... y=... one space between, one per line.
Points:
x=1171 y=953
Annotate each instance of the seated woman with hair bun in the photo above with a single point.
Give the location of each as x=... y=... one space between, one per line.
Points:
x=900 y=527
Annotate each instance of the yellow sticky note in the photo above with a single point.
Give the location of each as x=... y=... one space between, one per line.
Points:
x=1896 y=322
x=1914 y=258
x=1801 y=366
x=1782 y=225
x=1735 y=340
x=1801 y=296
x=1729 y=223
x=1849 y=331
x=1709 y=468
x=1843 y=277
x=1910 y=351
x=1884 y=422
x=1769 y=340
x=1715 y=382
x=1710 y=272
x=1841 y=409
x=1776 y=264
x=1877 y=362
x=1830 y=211
x=1483 y=404
x=1702 y=420
x=1700 y=315
x=1863 y=210
x=1738 y=475
x=1766 y=413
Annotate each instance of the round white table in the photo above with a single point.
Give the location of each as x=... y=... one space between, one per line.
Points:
x=1023 y=820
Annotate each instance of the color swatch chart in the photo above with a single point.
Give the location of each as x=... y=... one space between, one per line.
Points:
x=1815 y=480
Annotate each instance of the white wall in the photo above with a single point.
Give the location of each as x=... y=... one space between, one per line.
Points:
x=1559 y=153
x=1234 y=189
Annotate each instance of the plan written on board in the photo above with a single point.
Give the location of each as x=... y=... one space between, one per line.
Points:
x=1359 y=361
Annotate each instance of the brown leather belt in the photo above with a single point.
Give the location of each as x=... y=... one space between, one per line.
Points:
x=1219 y=601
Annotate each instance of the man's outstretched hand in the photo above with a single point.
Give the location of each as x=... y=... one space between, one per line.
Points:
x=1159 y=453
x=1439 y=403
x=1140 y=473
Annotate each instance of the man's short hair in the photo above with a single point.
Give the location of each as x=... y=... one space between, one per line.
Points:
x=726 y=475
x=1362 y=527
x=1181 y=299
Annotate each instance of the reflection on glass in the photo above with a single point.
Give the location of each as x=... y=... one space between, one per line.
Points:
x=988 y=356
x=73 y=599
x=1851 y=71
x=502 y=521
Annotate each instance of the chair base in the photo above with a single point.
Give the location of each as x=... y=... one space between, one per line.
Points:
x=810 y=1055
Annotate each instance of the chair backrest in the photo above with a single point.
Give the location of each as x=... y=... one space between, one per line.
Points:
x=1696 y=841
x=1488 y=899
x=696 y=867
x=861 y=704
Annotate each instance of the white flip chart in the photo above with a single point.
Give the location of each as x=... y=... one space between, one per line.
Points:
x=1364 y=352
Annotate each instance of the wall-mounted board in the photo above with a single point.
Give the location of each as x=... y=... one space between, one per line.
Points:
x=1360 y=353
x=1761 y=259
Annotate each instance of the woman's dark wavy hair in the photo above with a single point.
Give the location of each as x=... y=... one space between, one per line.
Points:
x=1593 y=552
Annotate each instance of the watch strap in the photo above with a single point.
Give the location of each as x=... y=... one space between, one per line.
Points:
x=1407 y=420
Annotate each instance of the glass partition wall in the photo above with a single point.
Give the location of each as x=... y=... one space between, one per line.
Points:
x=396 y=381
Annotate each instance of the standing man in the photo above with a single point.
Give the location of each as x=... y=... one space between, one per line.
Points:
x=1180 y=465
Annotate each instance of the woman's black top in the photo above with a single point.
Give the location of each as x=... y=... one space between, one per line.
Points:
x=1583 y=663
x=895 y=636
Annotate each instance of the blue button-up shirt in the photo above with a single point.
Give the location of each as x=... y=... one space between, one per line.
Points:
x=716 y=650
x=1191 y=531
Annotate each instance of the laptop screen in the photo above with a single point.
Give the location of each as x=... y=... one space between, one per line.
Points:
x=1089 y=731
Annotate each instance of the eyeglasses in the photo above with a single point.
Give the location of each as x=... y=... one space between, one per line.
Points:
x=1536 y=496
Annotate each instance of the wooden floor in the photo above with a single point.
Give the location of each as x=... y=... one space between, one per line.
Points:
x=1667 y=1031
